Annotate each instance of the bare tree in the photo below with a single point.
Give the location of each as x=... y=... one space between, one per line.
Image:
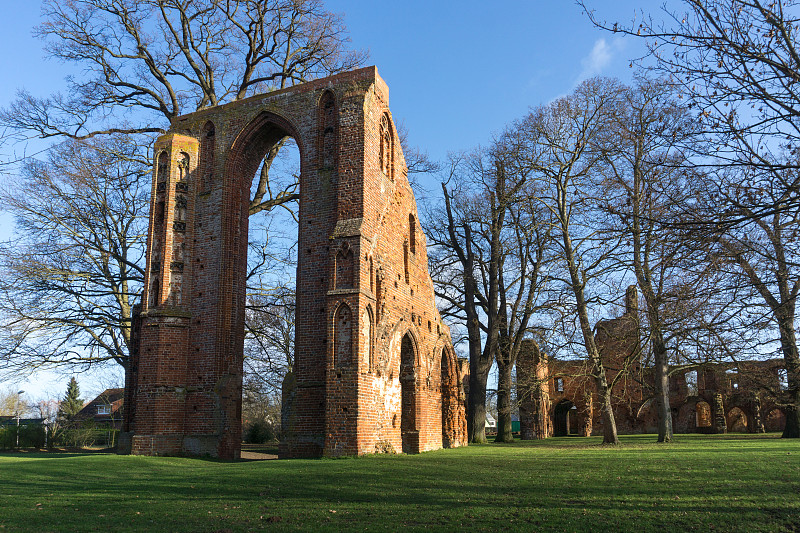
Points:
x=760 y=256
x=737 y=62
x=463 y=281
x=645 y=188
x=569 y=136
x=146 y=62
x=488 y=248
x=71 y=277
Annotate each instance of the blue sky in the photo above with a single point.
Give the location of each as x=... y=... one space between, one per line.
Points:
x=458 y=72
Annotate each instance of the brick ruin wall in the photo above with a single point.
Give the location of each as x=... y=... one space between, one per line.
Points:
x=557 y=398
x=375 y=369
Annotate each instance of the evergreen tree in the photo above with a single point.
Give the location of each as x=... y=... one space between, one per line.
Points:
x=72 y=402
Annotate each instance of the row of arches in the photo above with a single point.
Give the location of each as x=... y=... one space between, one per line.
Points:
x=568 y=419
x=408 y=376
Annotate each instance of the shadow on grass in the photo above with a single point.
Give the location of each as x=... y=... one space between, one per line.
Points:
x=559 y=484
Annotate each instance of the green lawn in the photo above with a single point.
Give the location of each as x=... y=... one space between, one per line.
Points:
x=719 y=483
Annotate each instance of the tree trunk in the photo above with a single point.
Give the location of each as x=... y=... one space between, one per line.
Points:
x=504 y=367
x=476 y=404
x=784 y=313
x=792 y=428
x=792 y=359
x=592 y=353
x=662 y=394
x=606 y=412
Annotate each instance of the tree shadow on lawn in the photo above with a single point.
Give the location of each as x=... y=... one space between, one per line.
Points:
x=422 y=489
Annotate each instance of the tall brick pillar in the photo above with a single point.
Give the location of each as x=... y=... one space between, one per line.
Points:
x=160 y=394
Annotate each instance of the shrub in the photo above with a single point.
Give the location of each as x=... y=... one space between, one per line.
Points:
x=259 y=432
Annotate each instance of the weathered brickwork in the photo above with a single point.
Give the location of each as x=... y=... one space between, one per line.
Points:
x=374 y=365
x=558 y=398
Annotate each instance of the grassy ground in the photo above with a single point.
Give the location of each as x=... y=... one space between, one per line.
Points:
x=704 y=483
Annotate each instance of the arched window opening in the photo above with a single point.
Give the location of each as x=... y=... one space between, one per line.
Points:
x=386 y=148
x=183 y=167
x=162 y=173
x=408 y=393
x=691 y=383
x=366 y=340
x=343 y=333
x=207 y=149
x=412 y=233
x=703 y=414
x=328 y=123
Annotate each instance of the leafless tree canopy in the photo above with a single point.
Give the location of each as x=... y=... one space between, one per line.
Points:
x=71 y=277
x=145 y=62
x=736 y=64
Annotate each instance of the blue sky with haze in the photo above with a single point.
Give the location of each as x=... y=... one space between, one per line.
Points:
x=458 y=72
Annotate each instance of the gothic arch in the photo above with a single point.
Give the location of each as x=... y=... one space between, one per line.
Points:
x=328 y=134
x=343 y=321
x=409 y=365
x=449 y=387
x=386 y=135
x=368 y=334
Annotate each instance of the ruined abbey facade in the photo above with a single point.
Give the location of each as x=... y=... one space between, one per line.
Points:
x=374 y=367
x=558 y=398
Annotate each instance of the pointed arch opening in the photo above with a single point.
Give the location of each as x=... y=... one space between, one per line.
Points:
x=343 y=335
x=208 y=147
x=450 y=399
x=367 y=362
x=408 y=387
x=386 y=146
x=328 y=131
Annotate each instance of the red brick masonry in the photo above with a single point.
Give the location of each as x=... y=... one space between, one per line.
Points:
x=375 y=369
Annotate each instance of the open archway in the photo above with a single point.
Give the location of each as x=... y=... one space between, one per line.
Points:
x=775 y=420
x=703 y=417
x=565 y=419
x=737 y=421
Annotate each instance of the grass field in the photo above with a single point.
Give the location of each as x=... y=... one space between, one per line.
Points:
x=699 y=483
